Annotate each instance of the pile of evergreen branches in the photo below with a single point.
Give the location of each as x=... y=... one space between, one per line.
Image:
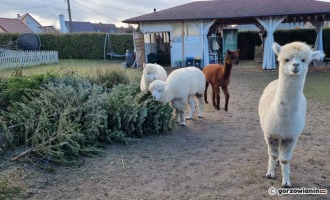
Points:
x=70 y=116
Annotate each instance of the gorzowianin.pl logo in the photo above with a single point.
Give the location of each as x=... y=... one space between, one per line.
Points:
x=280 y=191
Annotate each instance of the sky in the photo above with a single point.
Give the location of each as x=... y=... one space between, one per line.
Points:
x=47 y=12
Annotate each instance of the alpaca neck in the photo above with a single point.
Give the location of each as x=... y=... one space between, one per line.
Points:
x=289 y=91
x=227 y=69
x=168 y=96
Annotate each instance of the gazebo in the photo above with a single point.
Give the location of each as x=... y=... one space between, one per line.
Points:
x=265 y=14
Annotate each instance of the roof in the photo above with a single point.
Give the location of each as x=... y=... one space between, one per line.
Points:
x=244 y=10
x=14 y=26
x=80 y=26
x=22 y=17
x=49 y=29
x=107 y=28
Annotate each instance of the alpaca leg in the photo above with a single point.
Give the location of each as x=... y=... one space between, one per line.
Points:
x=175 y=105
x=192 y=105
x=182 y=119
x=227 y=95
x=205 y=92
x=200 y=105
x=216 y=97
x=213 y=95
x=181 y=107
x=286 y=147
x=176 y=116
x=273 y=144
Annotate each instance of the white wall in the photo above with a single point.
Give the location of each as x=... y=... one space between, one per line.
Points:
x=32 y=24
x=192 y=38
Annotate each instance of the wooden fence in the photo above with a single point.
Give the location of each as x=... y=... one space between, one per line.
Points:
x=12 y=59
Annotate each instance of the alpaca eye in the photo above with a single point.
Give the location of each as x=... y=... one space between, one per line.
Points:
x=287 y=60
x=159 y=91
x=303 y=60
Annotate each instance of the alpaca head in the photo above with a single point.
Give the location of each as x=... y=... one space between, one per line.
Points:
x=295 y=57
x=232 y=56
x=157 y=89
x=150 y=72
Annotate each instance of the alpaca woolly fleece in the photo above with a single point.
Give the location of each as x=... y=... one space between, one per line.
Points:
x=150 y=73
x=180 y=88
x=282 y=106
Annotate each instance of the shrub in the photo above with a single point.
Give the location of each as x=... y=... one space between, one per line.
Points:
x=109 y=78
x=134 y=114
x=71 y=116
x=65 y=120
x=14 y=88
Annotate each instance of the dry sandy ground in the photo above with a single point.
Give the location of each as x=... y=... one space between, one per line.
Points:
x=222 y=156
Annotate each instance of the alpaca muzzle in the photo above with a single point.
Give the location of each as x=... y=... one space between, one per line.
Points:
x=295 y=68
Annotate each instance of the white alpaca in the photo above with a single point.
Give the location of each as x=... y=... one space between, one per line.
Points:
x=150 y=73
x=282 y=106
x=180 y=88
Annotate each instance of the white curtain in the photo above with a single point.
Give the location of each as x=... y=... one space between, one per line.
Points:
x=203 y=29
x=318 y=27
x=204 y=32
x=270 y=24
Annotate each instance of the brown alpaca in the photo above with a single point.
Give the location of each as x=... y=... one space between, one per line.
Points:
x=219 y=76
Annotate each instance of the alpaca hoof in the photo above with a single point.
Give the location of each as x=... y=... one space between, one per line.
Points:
x=270 y=176
x=200 y=116
x=206 y=102
x=189 y=118
x=226 y=109
x=286 y=184
x=183 y=124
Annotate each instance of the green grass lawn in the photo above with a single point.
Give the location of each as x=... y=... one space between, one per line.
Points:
x=76 y=66
x=317 y=85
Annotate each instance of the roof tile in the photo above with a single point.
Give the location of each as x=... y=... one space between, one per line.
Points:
x=229 y=9
x=14 y=26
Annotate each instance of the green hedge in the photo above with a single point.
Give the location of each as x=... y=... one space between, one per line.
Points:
x=247 y=40
x=91 y=45
x=77 y=45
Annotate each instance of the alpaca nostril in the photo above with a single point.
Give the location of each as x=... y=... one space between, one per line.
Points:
x=295 y=65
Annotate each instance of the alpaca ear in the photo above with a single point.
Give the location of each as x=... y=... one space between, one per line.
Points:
x=276 y=48
x=228 y=51
x=318 y=55
x=144 y=65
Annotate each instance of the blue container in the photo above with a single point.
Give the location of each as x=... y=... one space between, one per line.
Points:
x=189 y=61
x=198 y=62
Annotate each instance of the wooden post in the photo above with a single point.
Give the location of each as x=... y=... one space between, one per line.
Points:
x=182 y=35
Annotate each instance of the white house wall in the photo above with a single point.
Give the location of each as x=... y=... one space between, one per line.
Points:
x=192 y=42
x=155 y=27
x=32 y=24
x=193 y=46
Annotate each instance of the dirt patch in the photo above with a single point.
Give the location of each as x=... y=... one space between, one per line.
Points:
x=222 y=156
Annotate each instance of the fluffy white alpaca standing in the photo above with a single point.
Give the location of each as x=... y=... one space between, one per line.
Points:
x=282 y=106
x=150 y=73
x=180 y=88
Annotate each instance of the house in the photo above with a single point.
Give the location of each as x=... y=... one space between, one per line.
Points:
x=186 y=29
x=80 y=26
x=49 y=29
x=30 y=22
x=86 y=26
x=105 y=28
x=13 y=26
